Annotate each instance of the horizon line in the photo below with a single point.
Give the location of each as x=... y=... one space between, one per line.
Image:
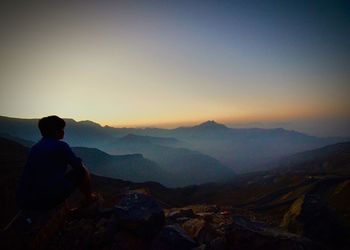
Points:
x=159 y=125
x=268 y=125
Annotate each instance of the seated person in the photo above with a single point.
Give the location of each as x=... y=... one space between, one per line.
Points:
x=45 y=182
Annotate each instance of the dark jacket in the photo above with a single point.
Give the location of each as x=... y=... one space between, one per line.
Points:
x=43 y=176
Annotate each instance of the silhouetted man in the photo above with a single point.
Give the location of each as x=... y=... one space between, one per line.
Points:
x=45 y=182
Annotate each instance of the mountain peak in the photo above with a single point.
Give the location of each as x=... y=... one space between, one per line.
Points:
x=211 y=124
x=89 y=123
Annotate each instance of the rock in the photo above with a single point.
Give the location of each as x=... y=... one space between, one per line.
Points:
x=182 y=213
x=187 y=212
x=177 y=217
x=201 y=247
x=104 y=232
x=225 y=213
x=181 y=220
x=88 y=210
x=205 y=208
x=101 y=223
x=245 y=234
x=199 y=230
x=212 y=209
x=139 y=213
x=309 y=216
x=105 y=212
x=218 y=243
x=207 y=216
x=85 y=235
x=173 y=216
x=34 y=229
x=126 y=240
x=173 y=237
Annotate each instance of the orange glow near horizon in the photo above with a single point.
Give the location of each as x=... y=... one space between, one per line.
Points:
x=136 y=65
x=234 y=119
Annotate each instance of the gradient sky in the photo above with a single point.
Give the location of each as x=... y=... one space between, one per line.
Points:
x=169 y=63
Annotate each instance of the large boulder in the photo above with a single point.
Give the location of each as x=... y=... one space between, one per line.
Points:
x=309 y=216
x=200 y=230
x=127 y=240
x=218 y=243
x=139 y=213
x=182 y=213
x=173 y=237
x=245 y=234
x=33 y=229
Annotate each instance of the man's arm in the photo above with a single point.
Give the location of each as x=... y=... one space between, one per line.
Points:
x=71 y=158
x=76 y=163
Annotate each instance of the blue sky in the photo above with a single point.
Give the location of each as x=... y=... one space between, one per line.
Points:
x=169 y=63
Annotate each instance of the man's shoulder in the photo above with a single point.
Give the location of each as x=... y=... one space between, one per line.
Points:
x=50 y=143
x=60 y=142
x=63 y=144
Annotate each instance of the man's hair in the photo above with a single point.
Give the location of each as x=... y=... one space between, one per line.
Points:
x=50 y=125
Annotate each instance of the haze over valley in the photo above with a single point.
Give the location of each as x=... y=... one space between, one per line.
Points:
x=208 y=152
x=304 y=194
x=205 y=125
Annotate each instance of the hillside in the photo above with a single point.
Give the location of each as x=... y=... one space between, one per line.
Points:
x=243 y=150
x=167 y=152
x=133 y=167
x=165 y=141
x=199 y=168
x=329 y=159
x=249 y=149
x=308 y=204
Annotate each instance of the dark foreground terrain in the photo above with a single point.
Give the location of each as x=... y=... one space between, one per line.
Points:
x=303 y=204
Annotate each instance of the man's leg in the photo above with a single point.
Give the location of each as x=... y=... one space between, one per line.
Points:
x=81 y=178
x=85 y=187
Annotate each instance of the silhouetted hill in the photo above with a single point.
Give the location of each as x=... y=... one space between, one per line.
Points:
x=333 y=158
x=163 y=151
x=78 y=133
x=185 y=166
x=309 y=196
x=12 y=159
x=21 y=128
x=21 y=141
x=312 y=204
x=131 y=167
x=166 y=141
x=243 y=150
x=205 y=127
x=247 y=150
x=211 y=125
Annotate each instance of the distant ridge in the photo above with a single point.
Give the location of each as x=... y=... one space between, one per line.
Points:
x=149 y=139
x=90 y=123
x=211 y=125
x=280 y=200
x=131 y=167
x=241 y=149
x=331 y=159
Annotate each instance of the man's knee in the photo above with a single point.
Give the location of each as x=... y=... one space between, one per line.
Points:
x=77 y=175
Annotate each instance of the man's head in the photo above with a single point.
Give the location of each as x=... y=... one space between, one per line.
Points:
x=52 y=127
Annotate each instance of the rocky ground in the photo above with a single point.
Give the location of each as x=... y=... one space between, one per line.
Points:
x=137 y=221
x=282 y=209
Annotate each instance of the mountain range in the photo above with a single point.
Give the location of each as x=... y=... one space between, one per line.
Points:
x=132 y=167
x=163 y=155
x=307 y=194
x=235 y=150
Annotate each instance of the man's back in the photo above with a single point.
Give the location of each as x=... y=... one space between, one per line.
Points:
x=45 y=182
x=47 y=164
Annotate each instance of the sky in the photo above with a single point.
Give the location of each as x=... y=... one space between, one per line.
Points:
x=171 y=63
